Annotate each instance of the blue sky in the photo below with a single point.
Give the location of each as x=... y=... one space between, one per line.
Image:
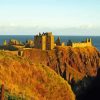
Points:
x=62 y=17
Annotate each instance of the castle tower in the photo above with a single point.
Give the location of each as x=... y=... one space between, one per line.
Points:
x=44 y=41
x=49 y=41
x=40 y=42
x=43 y=44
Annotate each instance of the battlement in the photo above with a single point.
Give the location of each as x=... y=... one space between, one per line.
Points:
x=44 y=34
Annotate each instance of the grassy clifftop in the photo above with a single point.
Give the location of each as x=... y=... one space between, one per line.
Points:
x=31 y=80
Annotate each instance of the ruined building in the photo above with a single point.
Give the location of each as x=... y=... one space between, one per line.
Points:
x=86 y=43
x=59 y=43
x=44 y=41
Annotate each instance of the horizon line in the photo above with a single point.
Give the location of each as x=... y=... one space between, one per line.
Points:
x=35 y=34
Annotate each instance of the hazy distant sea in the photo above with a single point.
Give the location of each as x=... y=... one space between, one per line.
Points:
x=23 y=38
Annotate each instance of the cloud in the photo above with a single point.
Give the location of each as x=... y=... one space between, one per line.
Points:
x=20 y=30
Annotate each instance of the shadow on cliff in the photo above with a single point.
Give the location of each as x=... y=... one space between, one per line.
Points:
x=93 y=91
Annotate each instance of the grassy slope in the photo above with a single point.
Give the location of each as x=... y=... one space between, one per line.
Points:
x=22 y=77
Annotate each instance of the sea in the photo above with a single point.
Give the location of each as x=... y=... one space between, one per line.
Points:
x=23 y=38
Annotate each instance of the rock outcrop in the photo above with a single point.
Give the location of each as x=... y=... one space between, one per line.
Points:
x=67 y=61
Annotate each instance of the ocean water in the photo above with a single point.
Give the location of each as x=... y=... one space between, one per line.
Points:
x=23 y=38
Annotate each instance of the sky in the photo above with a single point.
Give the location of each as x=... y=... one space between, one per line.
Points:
x=62 y=17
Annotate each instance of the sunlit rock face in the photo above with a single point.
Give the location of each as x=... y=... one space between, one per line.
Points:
x=67 y=61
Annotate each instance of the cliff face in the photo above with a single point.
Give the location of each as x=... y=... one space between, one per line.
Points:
x=34 y=81
x=67 y=61
x=31 y=76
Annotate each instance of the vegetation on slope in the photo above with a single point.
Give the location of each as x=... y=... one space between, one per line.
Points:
x=22 y=77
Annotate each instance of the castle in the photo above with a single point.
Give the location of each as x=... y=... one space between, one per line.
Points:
x=44 y=41
x=86 y=43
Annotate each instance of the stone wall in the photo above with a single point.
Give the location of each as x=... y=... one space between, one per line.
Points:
x=81 y=44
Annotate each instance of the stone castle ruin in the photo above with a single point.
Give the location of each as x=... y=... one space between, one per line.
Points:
x=86 y=43
x=44 y=41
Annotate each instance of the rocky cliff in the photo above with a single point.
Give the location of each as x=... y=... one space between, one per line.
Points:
x=24 y=78
x=32 y=77
x=67 y=61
